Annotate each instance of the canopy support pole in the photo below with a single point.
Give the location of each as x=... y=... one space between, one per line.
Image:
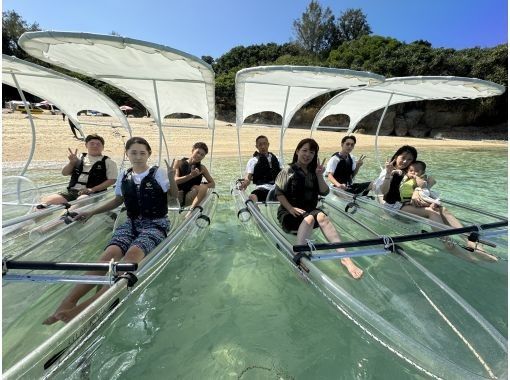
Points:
x=282 y=130
x=32 y=148
x=239 y=152
x=377 y=156
x=161 y=135
x=212 y=149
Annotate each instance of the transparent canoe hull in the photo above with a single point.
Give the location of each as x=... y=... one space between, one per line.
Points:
x=399 y=303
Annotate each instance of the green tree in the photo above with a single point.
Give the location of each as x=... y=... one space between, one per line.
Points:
x=208 y=59
x=353 y=24
x=255 y=55
x=13 y=26
x=315 y=31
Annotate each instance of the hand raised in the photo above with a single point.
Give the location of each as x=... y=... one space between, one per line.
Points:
x=73 y=157
x=390 y=165
x=320 y=167
x=170 y=169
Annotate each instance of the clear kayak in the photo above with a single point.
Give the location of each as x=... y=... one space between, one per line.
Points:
x=398 y=302
x=32 y=350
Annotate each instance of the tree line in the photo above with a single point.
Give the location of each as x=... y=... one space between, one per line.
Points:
x=320 y=39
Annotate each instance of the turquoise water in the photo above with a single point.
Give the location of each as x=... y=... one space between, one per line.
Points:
x=233 y=308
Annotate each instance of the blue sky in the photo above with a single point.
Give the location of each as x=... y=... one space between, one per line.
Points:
x=213 y=27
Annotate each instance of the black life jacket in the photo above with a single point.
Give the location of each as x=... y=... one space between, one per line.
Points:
x=147 y=199
x=393 y=194
x=297 y=194
x=343 y=172
x=96 y=175
x=185 y=169
x=263 y=172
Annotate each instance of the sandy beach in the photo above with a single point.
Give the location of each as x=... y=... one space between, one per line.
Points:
x=54 y=137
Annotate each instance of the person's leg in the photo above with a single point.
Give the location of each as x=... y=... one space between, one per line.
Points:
x=66 y=310
x=305 y=229
x=201 y=193
x=331 y=234
x=54 y=199
x=133 y=255
x=424 y=212
x=452 y=221
x=449 y=219
x=79 y=198
x=190 y=196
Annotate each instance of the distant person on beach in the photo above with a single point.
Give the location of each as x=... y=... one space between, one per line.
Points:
x=297 y=189
x=417 y=180
x=388 y=184
x=63 y=116
x=262 y=169
x=146 y=192
x=342 y=167
x=189 y=173
x=91 y=173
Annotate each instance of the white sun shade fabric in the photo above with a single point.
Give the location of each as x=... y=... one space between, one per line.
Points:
x=285 y=89
x=69 y=94
x=163 y=79
x=358 y=103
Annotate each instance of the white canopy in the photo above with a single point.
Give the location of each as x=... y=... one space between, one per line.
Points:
x=164 y=80
x=360 y=102
x=285 y=89
x=69 y=94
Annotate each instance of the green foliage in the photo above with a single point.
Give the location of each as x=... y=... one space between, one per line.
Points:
x=13 y=26
x=299 y=60
x=225 y=86
x=208 y=59
x=352 y=25
x=315 y=31
x=256 y=55
x=368 y=53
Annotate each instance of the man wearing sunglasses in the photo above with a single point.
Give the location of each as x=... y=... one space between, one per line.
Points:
x=342 y=167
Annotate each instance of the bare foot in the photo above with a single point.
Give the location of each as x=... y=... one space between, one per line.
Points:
x=65 y=305
x=481 y=253
x=68 y=314
x=354 y=271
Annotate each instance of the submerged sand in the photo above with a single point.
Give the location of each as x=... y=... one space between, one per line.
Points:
x=54 y=137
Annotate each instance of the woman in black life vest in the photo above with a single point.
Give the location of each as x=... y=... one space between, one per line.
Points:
x=297 y=189
x=146 y=193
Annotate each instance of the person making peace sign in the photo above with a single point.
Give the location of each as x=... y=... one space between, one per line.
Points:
x=297 y=189
x=90 y=173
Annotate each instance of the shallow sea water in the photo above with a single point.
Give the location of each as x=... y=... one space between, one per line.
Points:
x=235 y=309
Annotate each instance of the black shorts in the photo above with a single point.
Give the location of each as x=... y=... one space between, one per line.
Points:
x=261 y=194
x=359 y=188
x=70 y=195
x=291 y=223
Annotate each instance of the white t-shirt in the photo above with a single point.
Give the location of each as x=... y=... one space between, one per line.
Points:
x=250 y=167
x=161 y=177
x=333 y=162
x=379 y=181
x=88 y=161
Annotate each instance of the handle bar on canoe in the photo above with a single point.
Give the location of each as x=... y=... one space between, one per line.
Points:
x=49 y=265
x=400 y=239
